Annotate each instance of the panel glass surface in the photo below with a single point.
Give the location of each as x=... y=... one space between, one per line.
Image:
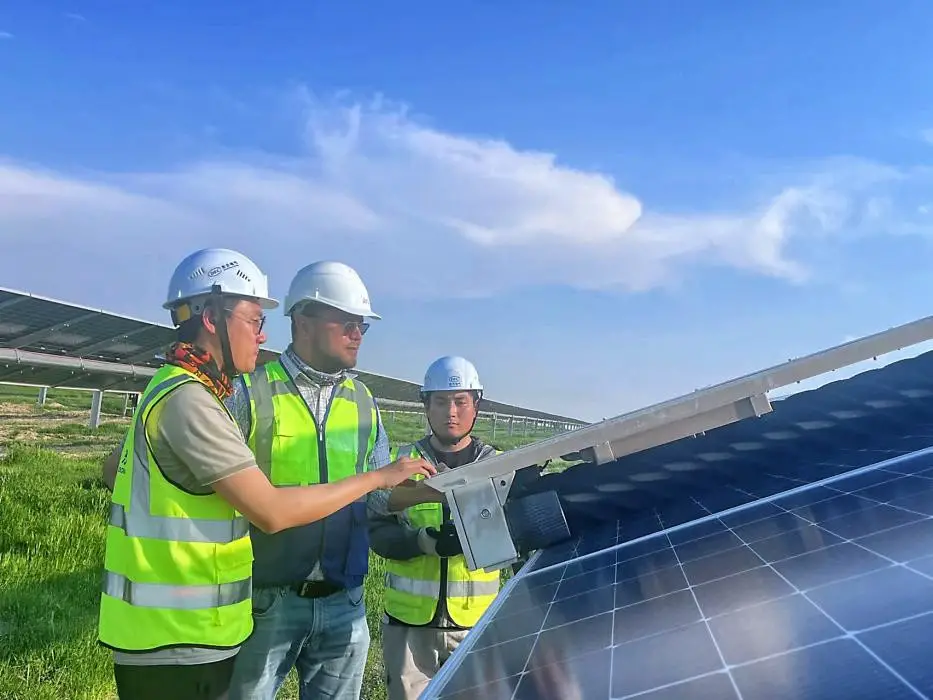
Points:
x=825 y=592
x=809 y=436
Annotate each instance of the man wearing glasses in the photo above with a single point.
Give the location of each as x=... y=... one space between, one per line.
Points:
x=308 y=420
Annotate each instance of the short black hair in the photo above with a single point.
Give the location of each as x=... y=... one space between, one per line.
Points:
x=188 y=331
x=306 y=309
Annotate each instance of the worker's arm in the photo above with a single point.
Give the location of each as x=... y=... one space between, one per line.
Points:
x=392 y=537
x=274 y=509
x=412 y=493
x=407 y=494
x=197 y=431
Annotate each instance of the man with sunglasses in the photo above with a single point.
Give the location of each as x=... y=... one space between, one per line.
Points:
x=309 y=420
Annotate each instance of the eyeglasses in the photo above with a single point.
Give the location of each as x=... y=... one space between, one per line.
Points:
x=351 y=326
x=256 y=323
x=348 y=326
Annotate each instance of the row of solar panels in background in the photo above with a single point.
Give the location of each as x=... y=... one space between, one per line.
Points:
x=789 y=555
x=37 y=324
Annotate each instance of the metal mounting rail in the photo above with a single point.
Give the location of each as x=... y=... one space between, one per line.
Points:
x=27 y=358
x=476 y=492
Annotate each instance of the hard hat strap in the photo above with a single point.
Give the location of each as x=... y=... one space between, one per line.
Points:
x=220 y=323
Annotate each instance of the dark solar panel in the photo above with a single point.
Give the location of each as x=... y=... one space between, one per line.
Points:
x=47 y=326
x=823 y=591
x=809 y=436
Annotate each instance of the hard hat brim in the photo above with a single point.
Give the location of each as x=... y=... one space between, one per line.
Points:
x=334 y=305
x=264 y=302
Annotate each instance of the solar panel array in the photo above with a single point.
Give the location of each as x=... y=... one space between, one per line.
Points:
x=50 y=327
x=43 y=325
x=784 y=556
x=807 y=436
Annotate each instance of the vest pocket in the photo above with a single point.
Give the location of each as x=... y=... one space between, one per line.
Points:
x=234 y=561
x=358 y=545
x=295 y=460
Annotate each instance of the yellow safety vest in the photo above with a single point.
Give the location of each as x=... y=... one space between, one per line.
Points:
x=284 y=433
x=177 y=566
x=412 y=587
x=294 y=448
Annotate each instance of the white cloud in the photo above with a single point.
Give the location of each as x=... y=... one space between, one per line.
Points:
x=396 y=197
x=5 y=35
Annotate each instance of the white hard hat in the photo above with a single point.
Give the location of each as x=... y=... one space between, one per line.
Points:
x=451 y=373
x=330 y=283
x=226 y=270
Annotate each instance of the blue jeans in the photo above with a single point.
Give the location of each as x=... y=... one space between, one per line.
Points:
x=326 y=639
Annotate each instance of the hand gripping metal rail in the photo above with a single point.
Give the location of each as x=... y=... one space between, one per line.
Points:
x=494 y=533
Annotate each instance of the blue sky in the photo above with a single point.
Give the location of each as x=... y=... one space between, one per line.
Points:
x=602 y=204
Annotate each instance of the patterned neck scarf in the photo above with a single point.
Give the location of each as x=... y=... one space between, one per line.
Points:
x=200 y=363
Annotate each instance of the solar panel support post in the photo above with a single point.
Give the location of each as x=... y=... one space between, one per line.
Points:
x=97 y=401
x=43 y=395
x=477 y=508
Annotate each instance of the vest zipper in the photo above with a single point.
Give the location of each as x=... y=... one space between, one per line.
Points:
x=321 y=441
x=321 y=450
x=441 y=613
x=322 y=463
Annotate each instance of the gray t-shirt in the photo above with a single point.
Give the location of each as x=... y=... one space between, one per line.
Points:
x=195 y=444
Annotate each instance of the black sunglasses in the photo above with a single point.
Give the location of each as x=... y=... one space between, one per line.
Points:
x=348 y=326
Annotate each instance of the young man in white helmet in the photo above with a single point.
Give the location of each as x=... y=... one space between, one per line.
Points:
x=309 y=420
x=176 y=599
x=431 y=599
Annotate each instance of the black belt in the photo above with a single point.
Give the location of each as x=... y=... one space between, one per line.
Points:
x=316 y=589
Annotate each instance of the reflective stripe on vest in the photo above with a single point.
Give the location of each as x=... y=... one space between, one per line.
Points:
x=413 y=586
x=158 y=528
x=159 y=595
x=456 y=589
x=177 y=568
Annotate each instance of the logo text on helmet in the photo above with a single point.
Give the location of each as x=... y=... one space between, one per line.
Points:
x=217 y=269
x=454 y=380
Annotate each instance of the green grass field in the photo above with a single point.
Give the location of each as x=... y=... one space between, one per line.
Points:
x=52 y=516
